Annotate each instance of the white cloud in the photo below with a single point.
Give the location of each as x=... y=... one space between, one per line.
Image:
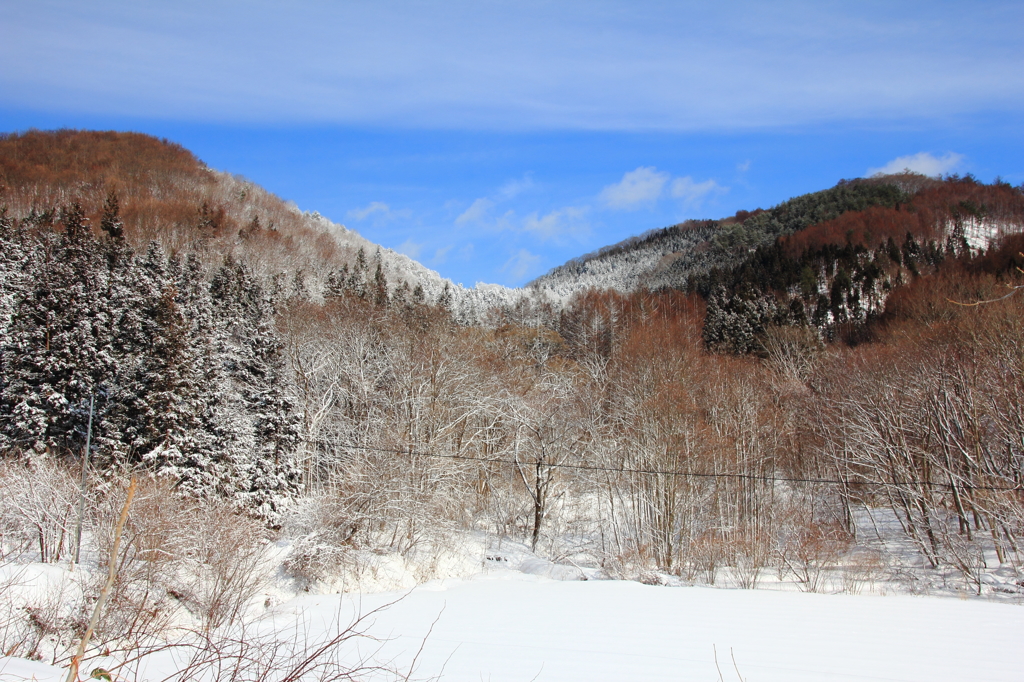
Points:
x=410 y=249
x=374 y=207
x=922 y=162
x=694 y=193
x=476 y=212
x=379 y=210
x=568 y=220
x=532 y=64
x=744 y=166
x=521 y=264
x=514 y=188
x=637 y=188
x=441 y=255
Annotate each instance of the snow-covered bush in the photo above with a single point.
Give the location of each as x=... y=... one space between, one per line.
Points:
x=38 y=503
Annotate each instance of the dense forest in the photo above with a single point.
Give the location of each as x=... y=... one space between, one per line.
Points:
x=859 y=349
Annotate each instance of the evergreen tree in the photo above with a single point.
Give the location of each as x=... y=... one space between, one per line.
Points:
x=380 y=287
x=400 y=295
x=357 y=280
x=337 y=282
x=221 y=438
x=59 y=350
x=111 y=220
x=267 y=474
x=445 y=299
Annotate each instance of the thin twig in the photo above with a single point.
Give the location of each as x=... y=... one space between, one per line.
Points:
x=715 y=650
x=736 y=667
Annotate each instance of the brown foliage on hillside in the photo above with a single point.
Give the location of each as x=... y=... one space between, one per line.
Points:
x=73 y=160
x=165 y=193
x=933 y=207
x=945 y=297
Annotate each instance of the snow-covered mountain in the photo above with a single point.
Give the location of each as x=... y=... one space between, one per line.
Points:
x=468 y=304
x=659 y=258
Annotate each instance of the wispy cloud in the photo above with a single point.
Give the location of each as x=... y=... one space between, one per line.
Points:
x=513 y=188
x=464 y=64
x=694 y=193
x=922 y=162
x=377 y=209
x=476 y=212
x=641 y=187
x=521 y=264
x=441 y=255
x=570 y=220
x=410 y=249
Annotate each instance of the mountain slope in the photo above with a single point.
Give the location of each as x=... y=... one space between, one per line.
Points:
x=166 y=194
x=669 y=257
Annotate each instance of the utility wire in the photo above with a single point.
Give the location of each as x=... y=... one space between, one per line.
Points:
x=683 y=474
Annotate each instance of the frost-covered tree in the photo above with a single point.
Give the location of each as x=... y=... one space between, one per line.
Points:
x=254 y=366
x=59 y=351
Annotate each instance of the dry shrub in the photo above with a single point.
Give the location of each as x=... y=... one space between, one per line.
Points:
x=179 y=552
x=328 y=528
x=709 y=553
x=42 y=624
x=632 y=563
x=38 y=509
x=751 y=551
x=349 y=535
x=966 y=554
x=862 y=568
x=230 y=562
x=246 y=652
x=154 y=541
x=812 y=551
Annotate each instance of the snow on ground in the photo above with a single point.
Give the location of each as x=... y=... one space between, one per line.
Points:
x=509 y=627
x=981 y=233
x=504 y=625
x=510 y=615
x=19 y=669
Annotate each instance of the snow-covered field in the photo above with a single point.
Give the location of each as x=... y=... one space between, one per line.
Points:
x=504 y=625
x=510 y=615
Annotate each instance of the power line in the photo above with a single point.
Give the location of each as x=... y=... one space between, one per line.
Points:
x=683 y=474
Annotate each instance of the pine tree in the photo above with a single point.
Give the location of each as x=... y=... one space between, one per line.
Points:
x=220 y=438
x=445 y=298
x=59 y=349
x=111 y=220
x=13 y=256
x=267 y=475
x=337 y=282
x=380 y=287
x=357 y=280
x=400 y=295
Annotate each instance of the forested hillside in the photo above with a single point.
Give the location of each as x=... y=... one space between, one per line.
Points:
x=837 y=275
x=166 y=194
x=673 y=256
x=848 y=357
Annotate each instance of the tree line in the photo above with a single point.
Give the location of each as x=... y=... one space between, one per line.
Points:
x=623 y=430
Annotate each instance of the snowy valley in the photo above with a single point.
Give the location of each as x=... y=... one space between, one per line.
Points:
x=241 y=442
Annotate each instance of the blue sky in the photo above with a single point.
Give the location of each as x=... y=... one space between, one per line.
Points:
x=495 y=140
